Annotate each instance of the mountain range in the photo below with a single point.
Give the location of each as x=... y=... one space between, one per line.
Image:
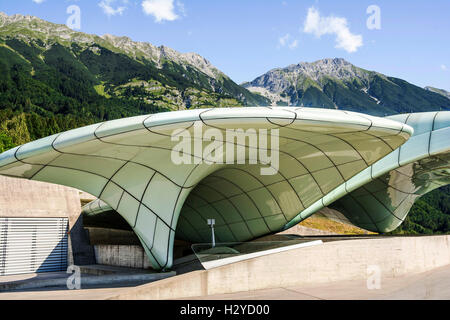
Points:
x=336 y=83
x=113 y=65
x=443 y=92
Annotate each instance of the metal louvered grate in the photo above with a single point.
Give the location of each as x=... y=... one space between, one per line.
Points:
x=29 y=245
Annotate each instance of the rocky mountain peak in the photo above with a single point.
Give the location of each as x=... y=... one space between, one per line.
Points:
x=442 y=92
x=56 y=33
x=336 y=83
x=333 y=68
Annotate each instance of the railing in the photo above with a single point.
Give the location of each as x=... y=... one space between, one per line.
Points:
x=226 y=253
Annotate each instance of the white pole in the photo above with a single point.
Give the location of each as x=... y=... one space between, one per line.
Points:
x=213 y=236
x=212 y=222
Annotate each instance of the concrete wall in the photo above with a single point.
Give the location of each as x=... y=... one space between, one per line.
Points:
x=132 y=256
x=332 y=261
x=22 y=198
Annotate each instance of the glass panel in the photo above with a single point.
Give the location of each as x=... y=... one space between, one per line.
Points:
x=20 y=170
x=394 y=141
x=439 y=141
x=328 y=179
x=102 y=166
x=334 y=195
x=195 y=201
x=161 y=242
x=133 y=178
x=286 y=198
x=245 y=206
x=224 y=233
x=128 y=208
x=207 y=193
x=370 y=148
x=265 y=202
x=231 y=252
x=112 y=194
x=75 y=136
x=258 y=227
x=194 y=217
x=442 y=120
x=118 y=126
x=255 y=171
x=209 y=212
x=244 y=180
x=290 y=167
x=415 y=148
x=386 y=164
x=145 y=225
x=161 y=162
x=312 y=158
x=275 y=222
x=348 y=170
x=240 y=230
x=307 y=189
x=161 y=197
x=88 y=182
x=227 y=210
x=226 y=187
x=421 y=122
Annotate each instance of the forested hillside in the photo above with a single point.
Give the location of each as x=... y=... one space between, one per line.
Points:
x=53 y=79
x=429 y=215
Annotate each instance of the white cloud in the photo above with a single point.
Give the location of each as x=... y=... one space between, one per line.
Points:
x=161 y=9
x=319 y=26
x=108 y=9
x=181 y=8
x=286 y=41
x=444 y=67
x=293 y=44
x=38 y=1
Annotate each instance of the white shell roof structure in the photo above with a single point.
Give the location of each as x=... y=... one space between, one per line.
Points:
x=128 y=165
x=394 y=183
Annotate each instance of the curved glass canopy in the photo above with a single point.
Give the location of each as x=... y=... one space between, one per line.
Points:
x=419 y=166
x=128 y=164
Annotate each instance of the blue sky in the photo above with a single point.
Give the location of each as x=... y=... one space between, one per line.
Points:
x=246 y=38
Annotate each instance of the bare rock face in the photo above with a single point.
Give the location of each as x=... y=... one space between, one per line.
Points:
x=279 y=80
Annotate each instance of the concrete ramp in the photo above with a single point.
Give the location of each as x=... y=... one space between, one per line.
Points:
x=218 y=259
x=331 y=262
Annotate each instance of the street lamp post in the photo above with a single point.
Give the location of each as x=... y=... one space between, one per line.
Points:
x=212 y=222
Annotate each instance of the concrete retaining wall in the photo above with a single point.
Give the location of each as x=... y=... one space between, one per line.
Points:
x=121 y=256
x=332 y=261
x=21 y=198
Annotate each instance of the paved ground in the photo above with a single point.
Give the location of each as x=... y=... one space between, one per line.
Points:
x=62 y=294
x=433 y=284
x=97 y=282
